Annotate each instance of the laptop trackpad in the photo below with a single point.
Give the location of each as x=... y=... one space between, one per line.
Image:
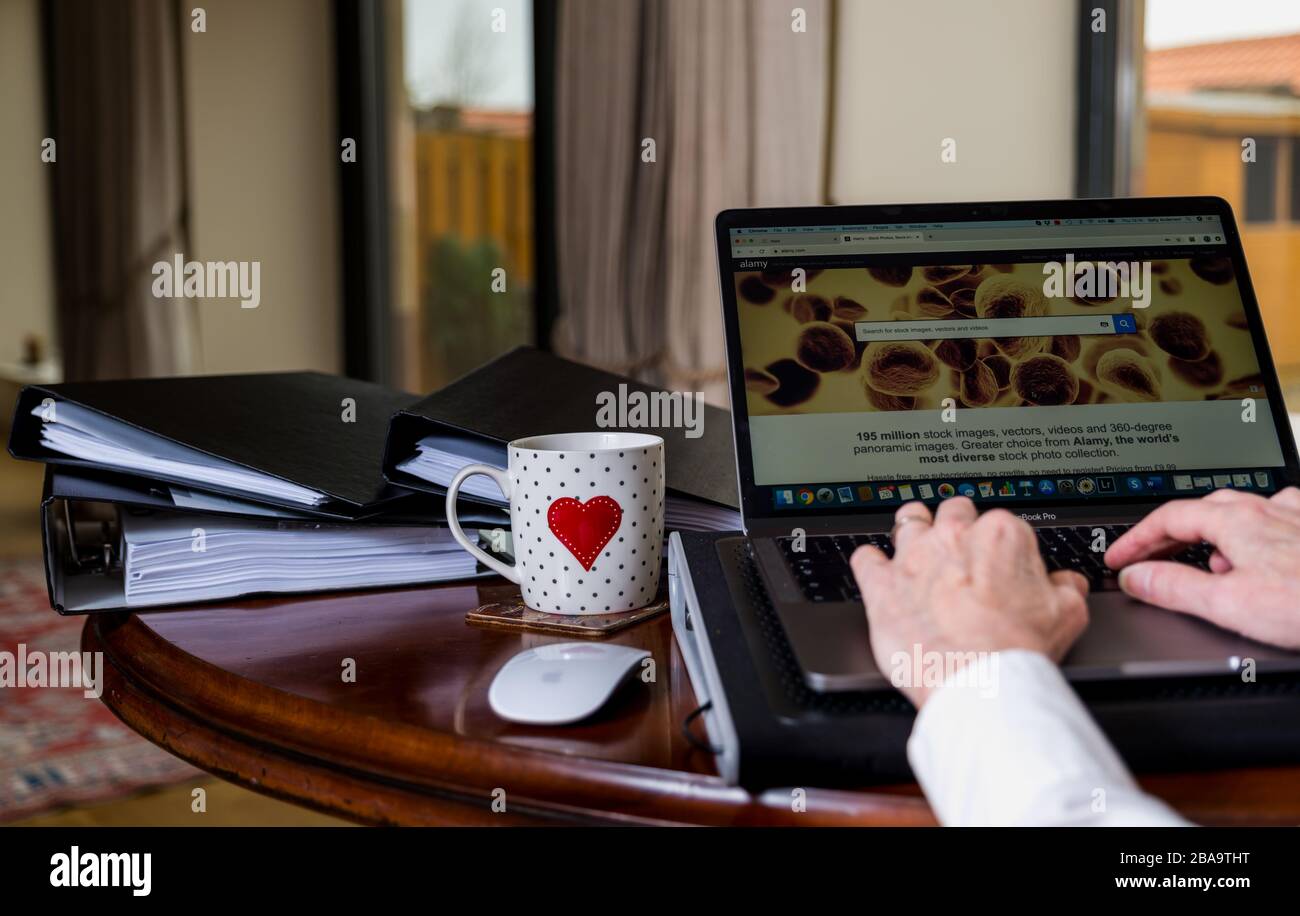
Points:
x=1126 y=636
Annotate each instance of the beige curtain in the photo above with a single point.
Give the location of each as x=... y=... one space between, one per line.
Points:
x=734 y=99
x=118 y=187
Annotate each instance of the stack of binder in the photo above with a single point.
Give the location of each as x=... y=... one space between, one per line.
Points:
x=526 y=393
x=170 y=491
x=181 y=490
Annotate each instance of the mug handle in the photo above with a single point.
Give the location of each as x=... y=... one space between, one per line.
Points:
x=503 y=481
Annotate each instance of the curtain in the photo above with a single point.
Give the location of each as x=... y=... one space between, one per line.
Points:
x=118 y=187
x=734 y=99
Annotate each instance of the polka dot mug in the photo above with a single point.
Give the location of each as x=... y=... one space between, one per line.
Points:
x=586 y=518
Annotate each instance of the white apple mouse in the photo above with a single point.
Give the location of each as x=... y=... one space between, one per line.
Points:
x=561 y=683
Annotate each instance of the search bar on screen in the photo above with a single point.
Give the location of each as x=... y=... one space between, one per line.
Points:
x=954 y=329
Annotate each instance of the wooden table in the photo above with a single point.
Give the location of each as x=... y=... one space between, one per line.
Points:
x=255 y=693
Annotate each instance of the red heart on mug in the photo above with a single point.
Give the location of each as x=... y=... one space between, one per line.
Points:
x=584 y=528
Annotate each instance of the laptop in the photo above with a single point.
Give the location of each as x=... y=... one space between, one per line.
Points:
x=1077 y=362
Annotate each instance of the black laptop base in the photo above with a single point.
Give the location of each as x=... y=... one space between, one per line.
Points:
x=769 y=729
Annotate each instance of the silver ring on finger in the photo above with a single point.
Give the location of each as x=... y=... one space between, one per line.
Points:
x=900 y=522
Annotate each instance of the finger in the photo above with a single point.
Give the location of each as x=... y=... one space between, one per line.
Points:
x=998 y=549
x=866 y=560
x=1175 y=586
x=1231 y=496
x=871 y=569
x=957 y=510
x=1219 y=563
x=1068 y=578
x=1288 y=500
x=1184 y=521
x=1254 y=501
x=998 y=526
x=1072 y=619
x=911 y=521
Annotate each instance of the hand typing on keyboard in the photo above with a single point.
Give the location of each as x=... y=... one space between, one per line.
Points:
x=1252 y=584
x=1028 y=753
x=959 y=583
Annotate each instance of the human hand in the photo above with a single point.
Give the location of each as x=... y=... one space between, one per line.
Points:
x=961 y=584
x=1253 y=587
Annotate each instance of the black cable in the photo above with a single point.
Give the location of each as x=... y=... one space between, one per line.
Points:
x=690 y=736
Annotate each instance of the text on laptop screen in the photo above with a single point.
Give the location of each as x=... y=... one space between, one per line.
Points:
x=1006 y=360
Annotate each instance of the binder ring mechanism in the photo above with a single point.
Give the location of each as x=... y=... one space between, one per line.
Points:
x=102 y=556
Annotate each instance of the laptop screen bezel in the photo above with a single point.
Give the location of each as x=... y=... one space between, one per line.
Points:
x=756 y=509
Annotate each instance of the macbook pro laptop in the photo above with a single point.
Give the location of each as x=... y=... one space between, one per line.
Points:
x=1077 y=362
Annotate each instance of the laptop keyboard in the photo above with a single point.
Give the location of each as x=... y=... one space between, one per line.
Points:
x=822 y=567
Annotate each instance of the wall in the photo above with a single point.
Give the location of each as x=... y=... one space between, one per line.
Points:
x=998 y=76
x=27 y=288
x=263 y=158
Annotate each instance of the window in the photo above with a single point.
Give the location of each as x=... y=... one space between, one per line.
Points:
x=1261 y=181
x=468 y=74
x=1294 y=178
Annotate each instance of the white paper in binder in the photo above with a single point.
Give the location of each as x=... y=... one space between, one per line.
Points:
x=175 y=559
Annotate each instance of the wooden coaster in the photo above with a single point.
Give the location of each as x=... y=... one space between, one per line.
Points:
x=515 y=615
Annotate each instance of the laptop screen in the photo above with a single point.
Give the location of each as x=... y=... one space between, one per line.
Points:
x=1010 y=360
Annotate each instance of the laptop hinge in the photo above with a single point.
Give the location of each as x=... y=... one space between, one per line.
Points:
x=1038 y=516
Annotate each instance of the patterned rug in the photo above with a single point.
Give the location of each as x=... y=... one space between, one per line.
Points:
x=58 y=747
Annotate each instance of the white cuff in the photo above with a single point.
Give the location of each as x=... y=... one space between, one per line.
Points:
x=1005 y=741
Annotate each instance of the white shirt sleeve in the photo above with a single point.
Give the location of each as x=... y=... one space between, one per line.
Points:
x=1005 y=741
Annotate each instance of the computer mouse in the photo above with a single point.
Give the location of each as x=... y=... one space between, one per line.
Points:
x=561 y=683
